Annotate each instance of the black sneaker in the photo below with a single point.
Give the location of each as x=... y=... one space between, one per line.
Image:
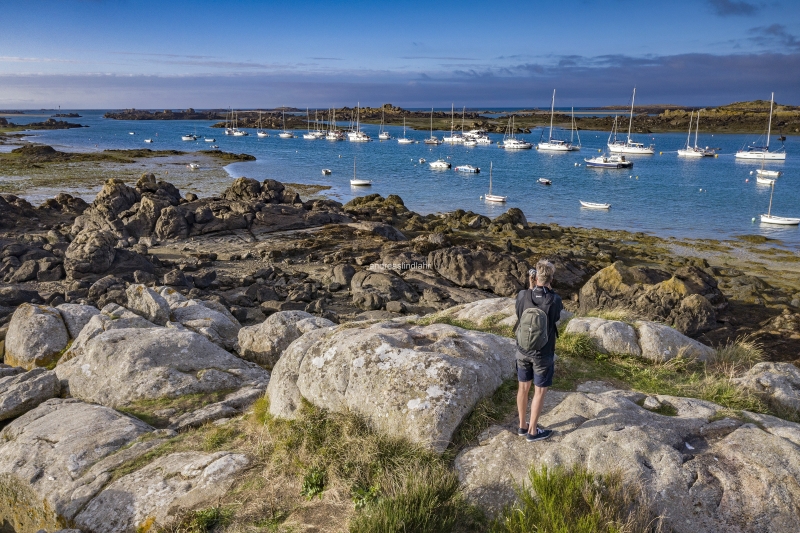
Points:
x=522 y=431
x=541 y=434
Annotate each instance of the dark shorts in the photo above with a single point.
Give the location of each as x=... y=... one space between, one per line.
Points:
x=540 y=370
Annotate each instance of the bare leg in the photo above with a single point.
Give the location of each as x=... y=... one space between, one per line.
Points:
x=536 y=405
x=522 y=401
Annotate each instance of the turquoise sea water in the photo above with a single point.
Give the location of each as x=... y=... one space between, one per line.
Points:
x=662 y=194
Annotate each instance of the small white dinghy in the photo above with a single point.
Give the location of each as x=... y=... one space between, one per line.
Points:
x=493 y=197
x=764 y=181
x=439 y=164
x=355 y=182
x=768 y=173
x=326 y=172
x=594 y=205
x=148 y=140
x=544 y=181
x=209 y=140
x=769 y=218
x=193 y=166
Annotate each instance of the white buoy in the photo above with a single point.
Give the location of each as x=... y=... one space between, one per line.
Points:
x=754 y=219
x=751 y=172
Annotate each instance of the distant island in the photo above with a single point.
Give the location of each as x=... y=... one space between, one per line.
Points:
x=11 y=112
x=167 y=114
x=67 y=115
x=49 y=124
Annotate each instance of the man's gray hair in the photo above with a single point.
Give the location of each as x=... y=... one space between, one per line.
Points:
x=545 y=271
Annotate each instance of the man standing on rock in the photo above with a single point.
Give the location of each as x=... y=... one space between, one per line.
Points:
x=538 y=311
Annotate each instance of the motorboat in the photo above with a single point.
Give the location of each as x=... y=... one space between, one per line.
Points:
x=762 y=152
x=483 y=139
x=326 y=172
x=593 y=205
x=189 y=137
x=470 y=142
x=193 y=166
x=355 y=182
x=214 y=147
x=609 y=161
x=544 y=181
x=148 y=140
x=628 y=146
x=262 y=134
x=769 y=218
x=489 y=197
x=695 y=151
x=556 y=145
x=439 y=164
x=404 y=139
x=469 y=169
x=131 y=133
x=510 y=142
x=421 y=160
x=206 y=139
x=240 y=133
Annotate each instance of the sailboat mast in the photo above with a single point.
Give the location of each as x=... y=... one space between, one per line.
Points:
x=463 y=111
x=689 y=135
x=452 y=119
x=552 y=108
x=354 y=167
x=769 y=126
x=697 y=129
x=772 y=190
x=630 y=122
x=490 y=178
x=431 y=123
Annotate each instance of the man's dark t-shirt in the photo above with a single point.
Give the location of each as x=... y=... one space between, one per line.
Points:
x=525 y=299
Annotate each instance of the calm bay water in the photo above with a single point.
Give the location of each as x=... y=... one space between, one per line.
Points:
x=662 y=194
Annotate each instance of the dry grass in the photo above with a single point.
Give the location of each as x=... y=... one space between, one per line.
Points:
x=737 y=356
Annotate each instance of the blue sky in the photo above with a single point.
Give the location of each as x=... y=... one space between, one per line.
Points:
x=114 y=54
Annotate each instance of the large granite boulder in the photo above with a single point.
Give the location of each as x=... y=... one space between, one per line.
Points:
x=780 y=382
x=36 y=336
x=688 y=300
x=92 y=254
x=112 y=316
x=48 y=457
x=417 y=382
x=121 y=366
x=210 y=319
x=390 y=233
x=373 y=290
x=702 y=473
x=484 y=312
x=610 y=336
x=502 y=274
x=76 y=316
x=264 y=343
x=662 y=343
x=20 y=393
x=158 y=491
x=148 y=304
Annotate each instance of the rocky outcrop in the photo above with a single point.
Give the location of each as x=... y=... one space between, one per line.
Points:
x=76 y=317
x=417 y=382
x=157 y=491
x=19 y=393
x=703 y=473
x=121 y=366
x=264 y=343
x=36 y=336
x=687 y=300
x=662 y=343
x=780 y=382
x=148 y=304
x=385 y=231
x=211 y=320
x=373 y=290
x=502 y=274
x=54 y=454
x=93 y=253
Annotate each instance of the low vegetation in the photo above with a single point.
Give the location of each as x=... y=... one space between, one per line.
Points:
x=576 y=501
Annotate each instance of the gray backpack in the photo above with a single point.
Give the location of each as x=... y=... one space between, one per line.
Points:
x=532 y=326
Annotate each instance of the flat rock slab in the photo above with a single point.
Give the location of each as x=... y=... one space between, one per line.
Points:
x=417 y=382
x=119 y=367
x=156 y=492
x=208 y=320
x=52 y=448
x=22 y=392
x=704 y=475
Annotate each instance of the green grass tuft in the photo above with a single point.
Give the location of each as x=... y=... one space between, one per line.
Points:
x=574 y=500
x=738 y=355
x=202 y=521
x=577 y=345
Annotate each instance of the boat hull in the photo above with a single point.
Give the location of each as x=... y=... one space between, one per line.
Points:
x=360 y=183
x=592 y=205
x=781 y=221
x=549 y=147
x=759 y=156
x=636 y=150
x=495 y=198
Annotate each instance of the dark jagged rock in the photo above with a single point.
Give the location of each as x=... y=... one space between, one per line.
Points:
x=500 y=273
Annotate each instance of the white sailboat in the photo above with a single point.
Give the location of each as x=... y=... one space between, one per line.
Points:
x=510 y=142
x=285 y=134
x=453 y=138
x=432 y=139
x=358 y=136
x=695 y=151
x=555 y=145
x=236 y=131
x=489 y=197
x=762 y=152
x=404 y=139
x=334 y=134
x=311 y=135
x=383 y=135
x=260 y=132
x=355 y=182
x=769 y=218
x=629 y=146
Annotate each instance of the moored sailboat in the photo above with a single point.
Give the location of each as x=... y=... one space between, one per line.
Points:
x=555 y=145
x=769 y=218
x=628 y=146
x=763 y=152
x=489 y=197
